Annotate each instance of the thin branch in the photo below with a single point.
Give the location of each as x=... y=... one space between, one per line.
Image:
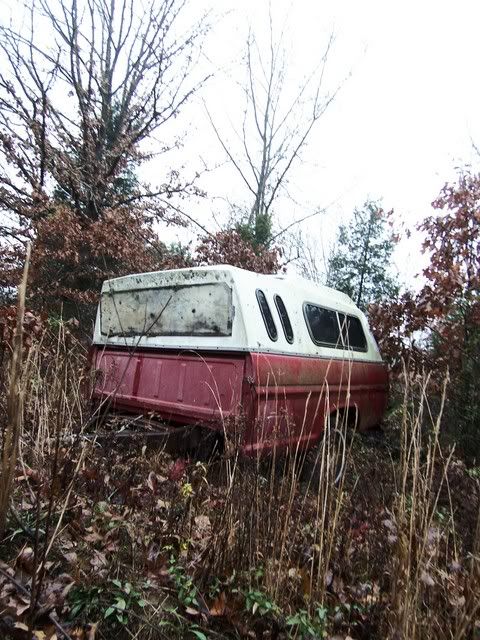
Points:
x=294 y=223
x=229 y=154
x=188 y=216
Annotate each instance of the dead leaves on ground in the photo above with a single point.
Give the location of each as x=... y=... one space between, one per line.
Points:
x=132 y=511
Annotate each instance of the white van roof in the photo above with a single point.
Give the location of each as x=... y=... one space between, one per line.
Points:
x=248 y=331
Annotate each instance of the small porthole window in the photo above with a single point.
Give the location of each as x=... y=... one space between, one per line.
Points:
x=284 y=319
x=267 y=315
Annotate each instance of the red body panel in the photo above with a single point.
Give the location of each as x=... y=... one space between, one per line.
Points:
x=182 y=387
x=293 y=394
x=282 y=398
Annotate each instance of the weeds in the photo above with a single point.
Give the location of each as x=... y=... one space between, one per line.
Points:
x=124 y=599
x=258 y=603
x=85 y=603
x=304 y=625
x=14 y=408
x=113 y=600
x=187 y=592
x=146 y=544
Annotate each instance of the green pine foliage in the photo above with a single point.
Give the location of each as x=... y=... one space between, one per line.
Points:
x=359 y=265
x=258 y=232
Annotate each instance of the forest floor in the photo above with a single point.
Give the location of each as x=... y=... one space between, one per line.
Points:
x=125 y=541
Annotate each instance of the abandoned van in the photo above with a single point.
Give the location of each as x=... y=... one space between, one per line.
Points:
x=222 y=347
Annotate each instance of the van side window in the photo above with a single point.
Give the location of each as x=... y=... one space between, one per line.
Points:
x=353 y=334
x=267 y=315
x=284 y=319
x=334 y=329
x=322 y=325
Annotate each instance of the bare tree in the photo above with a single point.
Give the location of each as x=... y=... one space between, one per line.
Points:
x=83 y=87
x=308 y=251
x=89 y=90
x=275 y=128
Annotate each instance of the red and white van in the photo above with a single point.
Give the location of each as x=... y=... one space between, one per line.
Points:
x=222 y=347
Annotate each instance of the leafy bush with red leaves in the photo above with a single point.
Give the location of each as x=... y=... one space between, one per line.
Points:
x=33 y=327
x=72 y=257
x=229 y=247
x=394 y=324
x=440 y=327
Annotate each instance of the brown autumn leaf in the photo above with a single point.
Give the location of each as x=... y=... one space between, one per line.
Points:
x=99 y=560
x=202 y=530
x=26 y=560
x=390 y=525
x=93 y=536
x=306 y=583
x=71 y=557
x=218 y=606
x=427 y=579
x=152 y=482
x=457 y=601
x=19 y=605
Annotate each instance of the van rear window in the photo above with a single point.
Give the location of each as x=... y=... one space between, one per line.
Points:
x=182 y=310
x=352 y=332
x=284 y=319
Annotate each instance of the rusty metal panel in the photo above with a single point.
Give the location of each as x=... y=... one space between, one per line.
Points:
x=283 y=399
x=294 y=394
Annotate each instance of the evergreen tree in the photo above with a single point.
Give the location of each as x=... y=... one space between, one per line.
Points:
x=359 y=265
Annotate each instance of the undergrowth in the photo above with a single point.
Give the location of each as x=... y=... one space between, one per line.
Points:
x=110 y=540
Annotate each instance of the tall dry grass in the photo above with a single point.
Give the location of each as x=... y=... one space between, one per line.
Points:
x=432 y=594
x=282 y=511
x=284 y=524
x=15 y=401
x=48 y=413
x=289 y=516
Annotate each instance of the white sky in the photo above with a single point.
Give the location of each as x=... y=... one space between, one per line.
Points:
x=401 y=124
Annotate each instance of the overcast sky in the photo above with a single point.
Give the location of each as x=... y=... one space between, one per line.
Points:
x=403 y=120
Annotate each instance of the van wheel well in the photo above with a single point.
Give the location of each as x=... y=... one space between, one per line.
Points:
x=345 y=417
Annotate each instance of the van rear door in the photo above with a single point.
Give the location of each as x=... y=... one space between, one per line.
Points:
x=196 y=310
x=158 y=347
x=184 y=387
